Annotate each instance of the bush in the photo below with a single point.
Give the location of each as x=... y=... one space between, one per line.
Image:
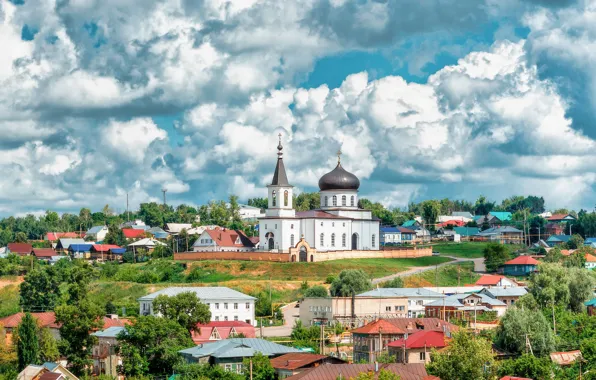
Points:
x=330 y=278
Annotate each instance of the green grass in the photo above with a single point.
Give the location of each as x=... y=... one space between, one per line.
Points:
x=9 y=300
x=445 y=276
x=470 y=250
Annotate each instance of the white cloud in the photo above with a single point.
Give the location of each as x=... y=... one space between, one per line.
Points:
x=131 y=139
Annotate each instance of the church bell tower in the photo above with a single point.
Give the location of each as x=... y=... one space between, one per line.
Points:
x=280 y=191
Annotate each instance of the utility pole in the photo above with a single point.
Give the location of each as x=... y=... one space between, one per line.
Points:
x=164 y=191
x=127 y=210
x=458 y=269
x=528 y=345
x=554 y=321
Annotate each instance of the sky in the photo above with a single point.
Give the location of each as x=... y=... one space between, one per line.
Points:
x=425 y=98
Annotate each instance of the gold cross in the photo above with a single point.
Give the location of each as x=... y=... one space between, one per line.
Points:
x=338 y=156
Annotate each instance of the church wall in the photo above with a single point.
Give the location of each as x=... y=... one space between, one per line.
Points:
x=365 y=230
x=370 y=254
x=338 y=193
x=354 y=214
x=329 y=227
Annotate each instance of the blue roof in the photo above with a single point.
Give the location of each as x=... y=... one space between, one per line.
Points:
x=502 y=215
x=110 y=332
x=160 y=235
x=95 y=229
x=590 y=240
x=50 y=365
x=389 y=229
x=118 y=251
x=237 y=347
x=591 y=302
x=80 y=247
x=563 y=238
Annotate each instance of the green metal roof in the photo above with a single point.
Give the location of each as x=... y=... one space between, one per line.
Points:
x=502 y=215
x=409 y=223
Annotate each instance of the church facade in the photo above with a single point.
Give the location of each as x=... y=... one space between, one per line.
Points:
x=338 y=225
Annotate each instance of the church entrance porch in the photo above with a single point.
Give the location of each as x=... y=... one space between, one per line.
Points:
x=303 y=257
x=354 y=241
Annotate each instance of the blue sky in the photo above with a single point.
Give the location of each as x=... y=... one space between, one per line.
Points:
x=433 y=99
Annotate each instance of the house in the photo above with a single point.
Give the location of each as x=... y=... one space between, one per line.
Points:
x=451 y=223
x=44 y=319
x=109 y=252
x=176 y=228
x=554 y=229
x=520 y=266
x=491 y=280
x=591 y=306
x=229 y=353
x=46 y=371
x=502 y=234
x=507 y=295
x=464 y=306
x=590 y=242
x=80 y=251
x=98 y=233
x=558 y=218
x=466 y=216
x=416 y=347
x=64 y=243
x=214 y=331
x=148 y=244
x=466 y=232
x=397 y=235
x=223 y=240
x=292 y=364
x=134 y=233
x=250 y=213
x=158 y=233
x=347 y=311
x=503 y=216
x=411 y=223
x=21 y=249
x=590 y=261
x=44 y=254
x=104 y=354
x=555 y=240
x=373 y=338
x=55 y=236
x=351 y=371
x=493 y=219
x=225 y=304
x=417 y=297
x=566 y=358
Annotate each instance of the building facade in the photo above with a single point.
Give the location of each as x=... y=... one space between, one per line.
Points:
x=417 y=298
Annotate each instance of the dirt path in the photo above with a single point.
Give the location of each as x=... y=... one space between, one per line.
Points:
x=478 y=267
x=12 y=281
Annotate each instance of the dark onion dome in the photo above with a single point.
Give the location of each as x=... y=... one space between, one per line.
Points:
x=339 y=179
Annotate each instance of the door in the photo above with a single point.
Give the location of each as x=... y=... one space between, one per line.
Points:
x=271 y=245
x=354 y=241
x=303 y=257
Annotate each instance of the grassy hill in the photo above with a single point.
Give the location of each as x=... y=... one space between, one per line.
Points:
x=458 y=274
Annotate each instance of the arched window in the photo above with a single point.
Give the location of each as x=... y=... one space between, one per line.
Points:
x=343 y=240
x=373 y=240
x=326 y=201
x=343 y=200
x=273 y=198
x=333 y=240
x=352 y=201
x=292 y=240
x=286 y=198
x=335 y=200
x=322 y=239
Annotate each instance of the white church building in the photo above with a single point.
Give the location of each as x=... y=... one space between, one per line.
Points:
x=338 y=225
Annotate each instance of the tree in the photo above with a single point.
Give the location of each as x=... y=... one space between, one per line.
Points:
x=20 y=237
x=495 y=255
x=550 y=285
x=261 y=368
x=482 y=206
x=185 y=309
x=306 y=336
x=114 y=236
x=350 y=281
x=577 y=259
x=430 y=213
x=517 y=325
x=581 y=289
x=48 y=346
x=263 y=305
x=384 y=374
x=466 y=357
x=40 y=290
x=27 y=342
x=151 y=345
x=316 y=291
x=397 y=282
x=554 y=255
x=528 y=366
x=575 y=241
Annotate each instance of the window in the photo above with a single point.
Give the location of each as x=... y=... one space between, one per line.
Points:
x=387 y=308
x=332 y=224
x=423 y=356
x=265 y=226
x=273 y=198
x=352 y=201
x=235 y=305
x=286 y=198
x=335 y=200
x=326 y=201
x=275 y=227
x=228 y=367
x=247 y=321
x=321 y=224
x=247 y=305
x=333 y=240
x=217 y=318
x=217 y=305
x=373 y=240
x=343 y=240
x=292 y=240
x=291 y=226
x=226 y=305
x=235 y=317
x=225 y=318
x=322 y=239
x=343 y=200
x=343 y=224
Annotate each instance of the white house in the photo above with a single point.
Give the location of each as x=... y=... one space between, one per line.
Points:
x=590 y=261
x=225 y=304
x=97 y=232
x=417 y=297
x=249 y=212
x=223 y=240
x=339 y=224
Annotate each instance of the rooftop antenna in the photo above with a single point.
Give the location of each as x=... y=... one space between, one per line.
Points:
x=127 y=210
x=164 y=191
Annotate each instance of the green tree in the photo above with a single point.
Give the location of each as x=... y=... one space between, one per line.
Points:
x=396 y=282
x=528 y=366
x=40 y=290
x=577 y=259
x=316 y=291
x=350 y=281
x=20 y=237
x=581 y=289
x=466 y=358
x=114 y=236
x=306 y=336
x=483 y=206
x=151 y=345
x=550 y=285
x=48 y=346
x=553 y=255
x=575 y=241
x=517 y=325
x=430 y=213
x=27 y=342
x=185 y=309
x=495 y=255
x=261 y=368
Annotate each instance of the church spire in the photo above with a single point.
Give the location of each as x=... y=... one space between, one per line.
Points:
x=279 y=177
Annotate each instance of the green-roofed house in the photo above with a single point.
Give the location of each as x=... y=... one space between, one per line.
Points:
x=503 y=216
x=411 y=223
x=466 y=231
x=591 y=305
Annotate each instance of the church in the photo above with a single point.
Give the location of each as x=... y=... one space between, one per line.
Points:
x=338 y=225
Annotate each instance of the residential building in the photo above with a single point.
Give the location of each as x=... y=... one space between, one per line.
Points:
x=492 y=280
x=451 y=223
x=351 y=371
x=555 y=240
x=64 y=243
x=590 y=261
x=44 y=254
x=230 y=353
x=292 y=364
x=493 y=219
x=104 y=354
x=338 y=225
x=520 y=266
x=558 y=218
x=176 y=228
x=98 y=233
x=591 y=307
x=44 y=319
x=590 y=242
x=224 y=303
x=411 y=223
x=250 y=213
x=147 y=244
x=107 y=252
x=21 y=249
x=55 y=236
x=503 y=216
x=397 y=235
x=417 y=297
x=134 y=233
x=223 y=240
x=464 y=306
x=157 y=233
x=554 y=229
x=80 y=251
x=46 y=371
x=466 y=232
x=451 y=290
x=417 y=347
x=507 y=295
x=464 y=215
x=214 y=331
x=329 y=310
x=503 y=235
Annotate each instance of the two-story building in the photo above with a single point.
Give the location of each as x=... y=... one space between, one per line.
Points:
x=397 y=235
x=223 y=240
x=416 y=297
x=465 y=306
x=105 y=353
x=224 y=303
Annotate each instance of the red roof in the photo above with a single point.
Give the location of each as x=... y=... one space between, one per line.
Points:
x=45 y=319
x=53 y=236
x=514 y=378
x=229 y=238
x=558 y=216
x=380 y=324
x=131 y=233
x=422 y=339
x=296 y=360
x=44 y=252
x=222 y=328
x=20 y=248
x=590 y=258
x=104 y=247
x=51 y=376
x=522 y=260
x=456 y=223
x=489 y=279
x=115 y=322
x=565 y=358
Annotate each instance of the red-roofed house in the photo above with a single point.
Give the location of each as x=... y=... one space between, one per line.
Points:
x=218 y=330
x=454 y=223
x=21 y=249
x=416 y=347
x=45 y=319
x=367 y=338
x=557 y=218
x=520 y=266
x=104 y=251
x=55 y=236
x=489 y=280
x=590 y=261
x=44 y=253
x=294 y=363
x=114 y=321
x=223 y=240
x=131 y=233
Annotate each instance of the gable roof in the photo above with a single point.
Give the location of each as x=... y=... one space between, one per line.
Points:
x=95 y=229
x=591 y=302
x=380 y=325
x=565 y=358
x=297 y=360
x=499 y=291
x=410 y=223
x=402 y=230
x=590 y=258
x=562 y=238
x=466 y=231
x=411 y=325
x=176 y=228
x=225 y=330
x=53 y=236
x=522 y=260
x=410 y=371
x=65 y=243
x=464 y=214
x=503 y=216
x=237 y=347
x=104 y=247
x=422 y=339
x=133 y=233
x=86 y=247
x=44 y=252
x=51 y=376
x=457 y=300
x=229 y=238
x=146 y=242
x=500 y=230
x=489 y=279
x=110 y=332
x=45 y=319
x=20 y=248
x=561 y=217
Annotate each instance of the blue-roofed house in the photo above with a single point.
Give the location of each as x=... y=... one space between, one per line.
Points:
x=158 y=233
x=397 y=235
x=80 y=251
x=555 y=240
x=590 y=242
x=98 y=233
x=229 y=353
x=466 y=231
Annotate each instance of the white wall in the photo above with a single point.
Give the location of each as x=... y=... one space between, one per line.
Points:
x=339 y=194
x=218 y=309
